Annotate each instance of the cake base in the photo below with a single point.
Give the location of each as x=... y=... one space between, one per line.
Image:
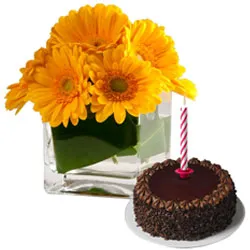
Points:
x=236 y=222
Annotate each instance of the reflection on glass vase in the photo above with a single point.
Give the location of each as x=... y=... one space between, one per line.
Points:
x=105 y=158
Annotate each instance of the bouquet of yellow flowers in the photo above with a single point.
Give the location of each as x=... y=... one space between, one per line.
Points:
x=96 y=76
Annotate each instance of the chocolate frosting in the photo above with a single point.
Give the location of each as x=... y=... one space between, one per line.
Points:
x=161 y=187
x=167 y=185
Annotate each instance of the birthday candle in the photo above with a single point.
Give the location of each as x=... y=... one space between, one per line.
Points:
x=184 y=136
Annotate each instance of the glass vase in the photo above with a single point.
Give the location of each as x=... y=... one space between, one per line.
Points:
x=105 y=158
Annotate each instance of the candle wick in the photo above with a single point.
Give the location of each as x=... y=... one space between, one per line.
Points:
x=184 y=100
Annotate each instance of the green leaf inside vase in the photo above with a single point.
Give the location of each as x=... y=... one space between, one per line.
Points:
x=90 y=142
x=154 y=136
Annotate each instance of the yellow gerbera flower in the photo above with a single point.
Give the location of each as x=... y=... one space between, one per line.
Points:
x=93 y=28
x=123 y=83
x=40 y=59
x=150 y=43
x=60 y=91
x=17 y=96
x=18 y=92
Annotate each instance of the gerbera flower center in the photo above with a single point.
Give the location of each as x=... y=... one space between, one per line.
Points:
x=119 y=85
x=67 y=85
x=97 y=42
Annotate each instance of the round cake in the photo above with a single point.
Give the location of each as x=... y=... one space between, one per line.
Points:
x=184 y=209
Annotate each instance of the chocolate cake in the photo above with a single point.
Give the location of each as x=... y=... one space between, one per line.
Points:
x=184 y=209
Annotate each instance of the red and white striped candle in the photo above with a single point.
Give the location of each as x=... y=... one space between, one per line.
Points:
x=184 y=136
x=184 y=171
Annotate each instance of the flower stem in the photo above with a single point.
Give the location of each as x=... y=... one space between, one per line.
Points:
x=114 y=159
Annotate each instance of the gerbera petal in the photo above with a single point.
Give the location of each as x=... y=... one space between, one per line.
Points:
x=102 y=99
x=94 y=100
x=74 y=104
x=16 y=98
x=81 y=105
x=56 y=112
x=185 y=87
x=101 y=116
x=127 y=105
x=19 y=107
x=49 y=108
x=59 y=58
x=118 y=53
x=108 y=109
x=14 y=85
x=128 y=65
x=74 y=121
x=138 y=30
x=83 y=115
x=43 y=78
x=66 y=122
x=119 y=112
x=66 y=112
x=55 y=123
x=96 y=108
x=107 y=59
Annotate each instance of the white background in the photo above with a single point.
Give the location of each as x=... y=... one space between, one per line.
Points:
x=213 y=41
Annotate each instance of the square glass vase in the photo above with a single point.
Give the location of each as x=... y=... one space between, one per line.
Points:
x=105 y=158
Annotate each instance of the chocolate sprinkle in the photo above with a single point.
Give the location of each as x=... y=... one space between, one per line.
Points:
x=186 y=219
